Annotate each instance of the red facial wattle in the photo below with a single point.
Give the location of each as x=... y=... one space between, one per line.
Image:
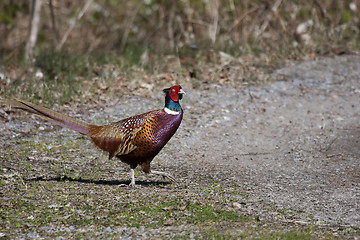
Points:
x=174 y=93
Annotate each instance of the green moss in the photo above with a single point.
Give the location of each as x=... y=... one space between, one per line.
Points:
x=345 y=17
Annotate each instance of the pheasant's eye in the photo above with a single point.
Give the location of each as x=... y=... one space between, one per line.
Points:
x=173 y=90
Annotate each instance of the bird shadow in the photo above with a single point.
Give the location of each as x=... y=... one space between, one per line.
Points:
x=98 y=182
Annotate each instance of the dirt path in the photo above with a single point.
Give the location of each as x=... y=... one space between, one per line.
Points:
x=294 y=144
x=287 y=152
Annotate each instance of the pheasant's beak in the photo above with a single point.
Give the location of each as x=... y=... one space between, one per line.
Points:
x=181 y=92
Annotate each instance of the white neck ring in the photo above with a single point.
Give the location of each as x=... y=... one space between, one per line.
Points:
x=168 y=111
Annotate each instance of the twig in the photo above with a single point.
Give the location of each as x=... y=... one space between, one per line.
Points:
x=213 y=26
x=53 y=22
x=129 y=27
x=15 y=173
x=242 y=17
x=254 y=154
x=268 y=18
x=329 y=146
x=315 y=223
x=322 y=11
x=72 y=24
x=34 y=29
x=199 y=22
x=170 y=25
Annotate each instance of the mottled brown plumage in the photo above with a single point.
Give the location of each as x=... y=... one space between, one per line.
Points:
x=135 y=140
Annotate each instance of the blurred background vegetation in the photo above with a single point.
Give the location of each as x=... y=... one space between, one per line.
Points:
x=106 y=46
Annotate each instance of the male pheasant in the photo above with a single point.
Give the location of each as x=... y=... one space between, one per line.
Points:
x=135 y=140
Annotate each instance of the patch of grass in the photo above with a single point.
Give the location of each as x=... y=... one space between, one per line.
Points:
x=61 y=66
x=210 y=214
x=291 y=235
x=80 y=206
x=2 y=182
x=161 y=213
x=61 y=80
x=29 y=145
x=129 y=57
x=51 y=207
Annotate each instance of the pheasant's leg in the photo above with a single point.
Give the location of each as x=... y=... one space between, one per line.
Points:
x=145 y=166
x=164 y=174
x=132 y=175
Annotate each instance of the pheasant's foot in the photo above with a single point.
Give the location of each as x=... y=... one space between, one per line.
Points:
x=132 y=175
x=164 y=174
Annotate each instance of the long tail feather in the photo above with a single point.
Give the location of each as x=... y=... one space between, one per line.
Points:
x=47 y=114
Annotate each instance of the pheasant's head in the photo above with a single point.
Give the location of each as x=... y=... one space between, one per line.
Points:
x=173 y=95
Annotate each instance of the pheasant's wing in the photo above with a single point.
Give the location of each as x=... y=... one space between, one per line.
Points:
x=117 y=138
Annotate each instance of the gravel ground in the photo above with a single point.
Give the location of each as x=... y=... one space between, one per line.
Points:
x=325 y=138
x=291 y=150
x=294 y=144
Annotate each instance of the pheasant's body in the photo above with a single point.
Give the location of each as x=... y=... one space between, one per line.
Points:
x=142 y=136
x=135 y=140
